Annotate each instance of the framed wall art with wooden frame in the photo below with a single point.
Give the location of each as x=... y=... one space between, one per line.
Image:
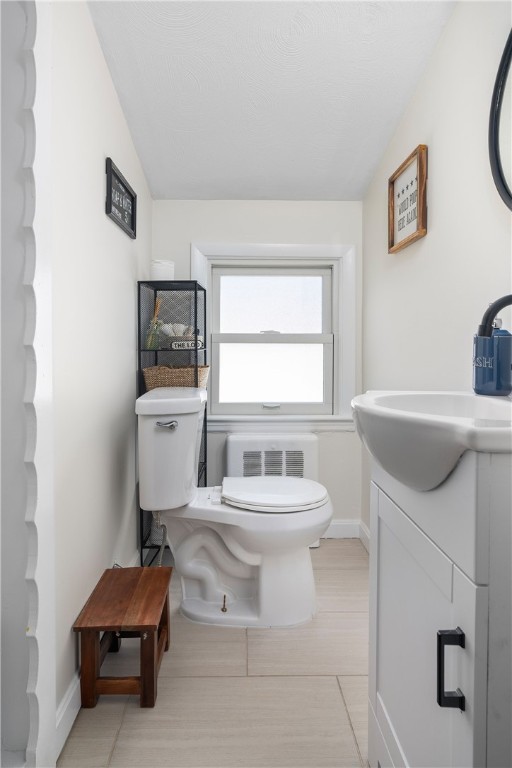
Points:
x=407 y=201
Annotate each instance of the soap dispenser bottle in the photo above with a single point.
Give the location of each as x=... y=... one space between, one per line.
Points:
x=492 y=354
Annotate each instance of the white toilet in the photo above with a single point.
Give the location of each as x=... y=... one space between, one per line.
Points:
x=241 y=549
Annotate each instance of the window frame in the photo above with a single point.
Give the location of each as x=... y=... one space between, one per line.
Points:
x=341 y=260
x=325 y=338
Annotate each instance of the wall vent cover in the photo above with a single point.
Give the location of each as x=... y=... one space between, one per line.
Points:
x=277 y=455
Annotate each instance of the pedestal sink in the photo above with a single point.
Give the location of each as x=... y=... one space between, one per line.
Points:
x=419 y=437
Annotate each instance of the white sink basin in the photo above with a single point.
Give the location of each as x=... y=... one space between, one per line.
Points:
x=418 y=437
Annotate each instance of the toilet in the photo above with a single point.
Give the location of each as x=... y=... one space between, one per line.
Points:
x=241 y=549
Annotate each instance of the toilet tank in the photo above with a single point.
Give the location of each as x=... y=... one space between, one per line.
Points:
x=170 y=421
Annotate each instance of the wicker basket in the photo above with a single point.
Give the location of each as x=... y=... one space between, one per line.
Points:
x=167 y=376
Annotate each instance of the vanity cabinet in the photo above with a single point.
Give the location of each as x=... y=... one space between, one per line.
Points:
x=171 y=351
x=440 y=560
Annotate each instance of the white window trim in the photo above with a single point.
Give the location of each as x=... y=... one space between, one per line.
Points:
x=341 y=258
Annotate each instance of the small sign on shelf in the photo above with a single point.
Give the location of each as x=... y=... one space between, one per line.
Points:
x=180 y=344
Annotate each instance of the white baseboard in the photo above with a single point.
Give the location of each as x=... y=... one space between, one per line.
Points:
x=67 y=711
x=364 y=535
x=343 y=529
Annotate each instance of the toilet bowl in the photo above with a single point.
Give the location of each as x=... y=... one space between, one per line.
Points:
x=241 y=549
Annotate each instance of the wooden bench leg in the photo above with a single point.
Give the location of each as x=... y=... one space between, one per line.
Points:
x=90 y=666
x=148 y=668
x=164 y=622
x=115 y=642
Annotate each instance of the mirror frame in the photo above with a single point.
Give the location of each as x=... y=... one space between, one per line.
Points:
x=494 y=125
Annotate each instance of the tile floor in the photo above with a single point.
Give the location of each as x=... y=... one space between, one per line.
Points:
x=247 y=698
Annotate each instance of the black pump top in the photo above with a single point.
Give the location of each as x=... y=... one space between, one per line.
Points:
x=485 y=327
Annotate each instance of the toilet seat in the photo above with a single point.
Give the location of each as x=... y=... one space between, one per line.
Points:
x=276 y=495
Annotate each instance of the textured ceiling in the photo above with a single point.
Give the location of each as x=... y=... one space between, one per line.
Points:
x=277 y=100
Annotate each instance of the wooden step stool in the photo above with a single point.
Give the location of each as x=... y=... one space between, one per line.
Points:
x=126 y=602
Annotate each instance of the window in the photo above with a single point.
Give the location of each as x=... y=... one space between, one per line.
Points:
x=272 y=341
x=281 y=329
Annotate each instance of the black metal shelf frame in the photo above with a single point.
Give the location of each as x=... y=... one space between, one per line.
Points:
x=179 y=340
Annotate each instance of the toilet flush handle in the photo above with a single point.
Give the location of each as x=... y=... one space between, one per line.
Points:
x=167 y=424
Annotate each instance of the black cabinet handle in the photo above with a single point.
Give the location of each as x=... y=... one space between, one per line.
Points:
x=456 y=698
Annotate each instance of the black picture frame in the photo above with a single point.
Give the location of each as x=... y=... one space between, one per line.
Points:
x=121 y=200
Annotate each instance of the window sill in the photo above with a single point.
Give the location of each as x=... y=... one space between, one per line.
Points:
x=280 y=424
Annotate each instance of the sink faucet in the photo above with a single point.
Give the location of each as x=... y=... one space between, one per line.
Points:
x=492 y=354
x=485 y=327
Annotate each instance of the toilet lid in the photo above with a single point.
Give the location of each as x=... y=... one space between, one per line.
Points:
x=273 y=494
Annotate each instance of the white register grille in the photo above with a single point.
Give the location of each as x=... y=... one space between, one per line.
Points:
x=288 y=463
x=277 y=455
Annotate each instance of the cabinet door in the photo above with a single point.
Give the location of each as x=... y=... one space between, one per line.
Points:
x=416 y=592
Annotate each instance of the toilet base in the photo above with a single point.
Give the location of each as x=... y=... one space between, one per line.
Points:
x=241 y=614
x=257 y=566
x=286 y=596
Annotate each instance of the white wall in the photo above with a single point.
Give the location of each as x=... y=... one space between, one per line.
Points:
x=422 y=305
x=95 y=269
x=178 y=223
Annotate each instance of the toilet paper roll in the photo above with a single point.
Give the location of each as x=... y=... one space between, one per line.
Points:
x=162 y=270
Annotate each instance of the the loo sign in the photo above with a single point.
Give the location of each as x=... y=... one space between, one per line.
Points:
x=188 y=344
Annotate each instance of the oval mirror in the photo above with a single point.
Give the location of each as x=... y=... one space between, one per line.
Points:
x=500 y=127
